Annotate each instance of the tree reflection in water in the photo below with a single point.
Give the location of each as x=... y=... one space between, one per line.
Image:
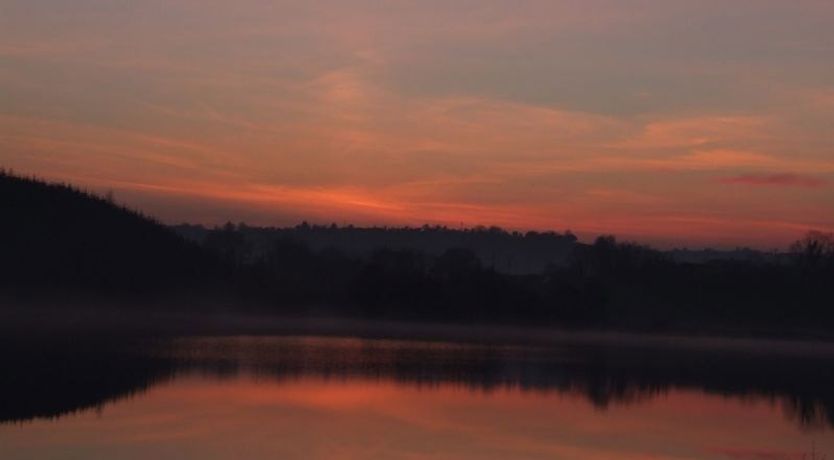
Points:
x=54 y=377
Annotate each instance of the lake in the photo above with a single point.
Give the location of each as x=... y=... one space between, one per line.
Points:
x=331 y=397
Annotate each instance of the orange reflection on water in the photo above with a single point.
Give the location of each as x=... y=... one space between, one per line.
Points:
x=350 y=418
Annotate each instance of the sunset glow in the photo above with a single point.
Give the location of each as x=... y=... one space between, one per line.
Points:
x=668 y=122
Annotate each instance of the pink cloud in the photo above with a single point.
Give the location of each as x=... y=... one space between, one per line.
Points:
x=776 y=180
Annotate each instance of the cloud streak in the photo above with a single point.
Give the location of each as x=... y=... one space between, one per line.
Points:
x=776 y=180
x=590 y=115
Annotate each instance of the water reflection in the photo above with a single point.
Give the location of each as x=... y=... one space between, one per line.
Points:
x=92 y=373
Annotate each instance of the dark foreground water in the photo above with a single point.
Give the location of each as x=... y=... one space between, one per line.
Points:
x=316 y=397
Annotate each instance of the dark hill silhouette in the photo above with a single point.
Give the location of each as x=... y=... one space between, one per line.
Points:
x=58 y=238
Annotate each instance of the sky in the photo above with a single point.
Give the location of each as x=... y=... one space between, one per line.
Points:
x=698 y=123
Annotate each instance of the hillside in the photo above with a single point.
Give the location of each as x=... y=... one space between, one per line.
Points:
x=56 y=237
x=57 y=240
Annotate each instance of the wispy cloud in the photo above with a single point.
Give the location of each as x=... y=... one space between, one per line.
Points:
x=776 y=180
x=594 y=115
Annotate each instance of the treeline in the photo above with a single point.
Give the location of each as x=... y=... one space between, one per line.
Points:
x=507 y=252
x=607 y=284
x=60 y=241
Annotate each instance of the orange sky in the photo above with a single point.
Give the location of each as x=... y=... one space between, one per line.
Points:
x=669 y=122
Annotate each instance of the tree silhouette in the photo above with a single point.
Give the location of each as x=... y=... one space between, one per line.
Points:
x=814 y=251
x=59 y=241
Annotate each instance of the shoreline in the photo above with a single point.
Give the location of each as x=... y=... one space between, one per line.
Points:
x=22 y=322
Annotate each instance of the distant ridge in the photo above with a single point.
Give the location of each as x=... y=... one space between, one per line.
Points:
x=506 y=252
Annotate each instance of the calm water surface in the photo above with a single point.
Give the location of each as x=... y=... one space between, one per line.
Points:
x=314 y=397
